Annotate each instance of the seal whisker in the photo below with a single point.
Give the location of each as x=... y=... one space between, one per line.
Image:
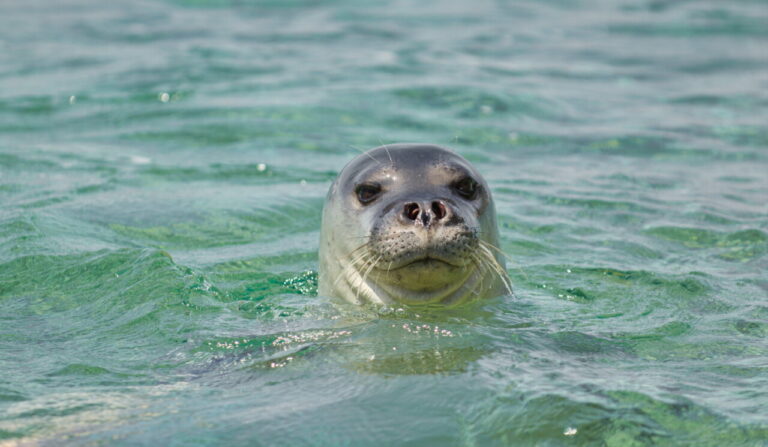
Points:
x=495 y=265
x=365 y=153
x=481 y=269
x=361 y=258
x=360 y=280
x=359 y=283
x=366 y=247
x=506 y=256
x=353 y=262
x=368 y=270
x=495 y=248
x=491 y=261
x=487 y=268
x=368 y=265
x=501 y=271
x=355 y=251
x=351 y=265
x=386 y=148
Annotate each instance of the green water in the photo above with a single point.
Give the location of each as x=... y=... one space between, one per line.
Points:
x=163 y=166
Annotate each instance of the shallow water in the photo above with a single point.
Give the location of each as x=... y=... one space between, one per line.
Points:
x=163 y=166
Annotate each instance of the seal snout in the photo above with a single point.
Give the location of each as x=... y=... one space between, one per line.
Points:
x=424 y=213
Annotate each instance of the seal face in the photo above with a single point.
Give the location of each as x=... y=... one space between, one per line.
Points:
x=410 y=223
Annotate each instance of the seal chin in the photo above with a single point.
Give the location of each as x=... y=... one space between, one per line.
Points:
x=424 y=274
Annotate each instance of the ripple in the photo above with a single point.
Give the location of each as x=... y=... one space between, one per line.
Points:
x=739 y=246
x=163 y=169
x=469 y=104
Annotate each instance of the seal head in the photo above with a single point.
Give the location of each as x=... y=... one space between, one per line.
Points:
x=412 y=224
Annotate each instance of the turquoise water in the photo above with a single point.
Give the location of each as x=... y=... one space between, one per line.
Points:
x=163 y=166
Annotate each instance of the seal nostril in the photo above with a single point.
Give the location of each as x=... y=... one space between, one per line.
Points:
x=438 y=208
x=411 y=211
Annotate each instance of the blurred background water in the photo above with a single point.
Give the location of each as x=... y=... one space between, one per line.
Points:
x=163 y=166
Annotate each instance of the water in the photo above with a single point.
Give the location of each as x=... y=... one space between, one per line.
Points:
x=163 y=166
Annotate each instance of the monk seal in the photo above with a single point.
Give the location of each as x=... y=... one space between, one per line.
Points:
x=410 y=224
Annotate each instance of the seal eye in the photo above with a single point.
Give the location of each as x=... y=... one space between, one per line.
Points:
x=466 y=187
x=367 y=192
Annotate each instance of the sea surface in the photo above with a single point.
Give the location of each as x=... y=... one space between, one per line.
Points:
x=163 y=166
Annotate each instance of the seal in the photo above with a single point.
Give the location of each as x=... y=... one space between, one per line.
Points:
x=410 y=224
